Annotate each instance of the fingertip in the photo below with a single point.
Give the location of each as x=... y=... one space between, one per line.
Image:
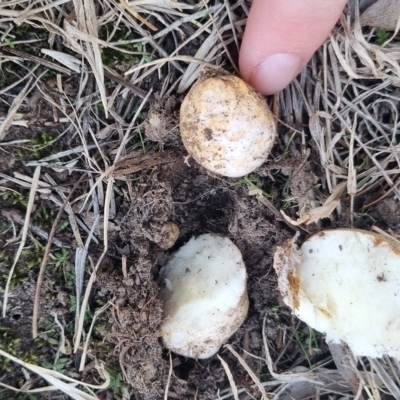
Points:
x=281 y=37
x=275 y=72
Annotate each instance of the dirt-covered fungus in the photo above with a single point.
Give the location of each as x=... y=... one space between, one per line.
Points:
x=346 y=284
x=226 y=126
x=205 y=297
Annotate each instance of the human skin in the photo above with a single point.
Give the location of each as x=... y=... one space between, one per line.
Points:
x=280 y=38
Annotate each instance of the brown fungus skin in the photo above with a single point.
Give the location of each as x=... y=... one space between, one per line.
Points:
x=226 y=126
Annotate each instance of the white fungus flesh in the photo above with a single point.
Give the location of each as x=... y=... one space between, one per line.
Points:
x=346 y=284
x=205 y=297
x=226 y=126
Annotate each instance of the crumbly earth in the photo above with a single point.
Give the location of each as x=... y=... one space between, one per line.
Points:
x=171 y=198
x=144 y=232
x=197 y=203
x=173 y=195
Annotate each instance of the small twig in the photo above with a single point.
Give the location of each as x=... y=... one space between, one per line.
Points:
x=45 y=258
x=45 y=63
x=29 y=208
x=109 y=73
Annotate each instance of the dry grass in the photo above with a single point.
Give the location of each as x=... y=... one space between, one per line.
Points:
x=348 y=97
x=352 y=105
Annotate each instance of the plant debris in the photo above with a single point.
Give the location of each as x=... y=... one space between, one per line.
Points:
x=90 y=94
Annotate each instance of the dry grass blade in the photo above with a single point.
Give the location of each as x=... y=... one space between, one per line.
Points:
x=205 y=52
x=385 y=377
x=324 y=211
x=137 y=15
x=124 y=140
x=25 y=183
x=80 y=260
x=15 y=216
x=29 y=11
x=352 y=175
x=383 y=233
x=136 y=90
x=64 y=347
x=87 y=23
x=65 y=153
x=165 y=60
x=223 y=42
x=69 y=61
x=169 y=377
x=45 y=259
x=25 y=230
x=230 y=378
x=57 y=379
x=79 y=329
x=137 y=161
x=86 y=346
x=73 y=220
x=250 y=372
x=47 y=64
x=4 y=126
x=289 y=377
x=343 y=361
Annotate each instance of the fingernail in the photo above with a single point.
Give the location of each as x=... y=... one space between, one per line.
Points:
x=276 y=72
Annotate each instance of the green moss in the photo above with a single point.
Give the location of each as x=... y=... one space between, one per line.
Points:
x=10 y=343
x=16 y=199
x=44 y=217
x=112 y=57
x=30 y=260
x=382 y=35
x=38 y=147
x=8 y=72
x=27 y=32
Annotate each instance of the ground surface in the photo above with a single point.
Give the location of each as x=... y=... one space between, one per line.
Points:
x=135 y=176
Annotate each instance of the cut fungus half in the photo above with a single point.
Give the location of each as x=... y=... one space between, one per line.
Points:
x=204 y=295
x=345 y=283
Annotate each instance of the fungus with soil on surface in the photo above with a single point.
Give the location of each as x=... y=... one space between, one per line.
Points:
x=204 y=295
x=226 y=126
x=346 y=284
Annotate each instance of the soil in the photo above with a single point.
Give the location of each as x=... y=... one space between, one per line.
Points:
x=170 y=202
x=197 y=203
x=177 y=193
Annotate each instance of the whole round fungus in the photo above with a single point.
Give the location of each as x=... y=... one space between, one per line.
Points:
x=226 y=126
x=346 y=284
x=204 y=294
